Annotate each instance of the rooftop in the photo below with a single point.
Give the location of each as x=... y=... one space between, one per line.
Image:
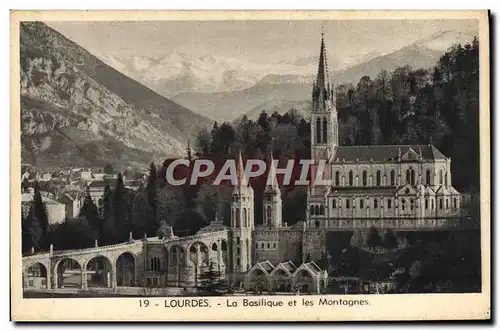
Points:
x=383 y=153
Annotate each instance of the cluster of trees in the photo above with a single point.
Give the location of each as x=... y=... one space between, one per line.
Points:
x=35 y=224
x=285 y=135
x=119 y=212
x=419 y=106
x=375 y=240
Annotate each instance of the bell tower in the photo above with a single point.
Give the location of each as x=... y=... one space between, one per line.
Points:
x=324 y=123
x=272 y=199
x=242 y=220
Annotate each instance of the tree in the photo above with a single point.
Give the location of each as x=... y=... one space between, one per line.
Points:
x=152 y=200
x=108 y=222
x=164 y=231
x=390 y=240
x=202 y=142
x=108 y=169
x=374 y=239
x=120 y=209
x=209 y=280
x=39 y=216
x=91 y=213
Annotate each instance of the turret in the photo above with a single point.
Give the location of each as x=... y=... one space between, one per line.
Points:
x=272 y=198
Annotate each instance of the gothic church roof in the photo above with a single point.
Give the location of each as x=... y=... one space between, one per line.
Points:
x=383 y=153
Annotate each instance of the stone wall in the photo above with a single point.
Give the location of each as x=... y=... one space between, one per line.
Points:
x=314 y=244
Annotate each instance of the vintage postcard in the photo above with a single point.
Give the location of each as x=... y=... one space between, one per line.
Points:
x=250 y=166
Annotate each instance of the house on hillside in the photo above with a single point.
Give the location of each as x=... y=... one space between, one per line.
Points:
x=73 y=203
x=56 y=211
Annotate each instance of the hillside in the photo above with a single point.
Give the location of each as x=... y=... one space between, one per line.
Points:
x=227 y=106
x=76 y=109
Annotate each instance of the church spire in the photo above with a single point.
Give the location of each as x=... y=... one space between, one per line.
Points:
x=240 y=171
x=272 y=181
x=322 y=78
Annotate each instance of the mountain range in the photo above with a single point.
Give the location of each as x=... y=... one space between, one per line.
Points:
x=225 y=89
x=77 y=110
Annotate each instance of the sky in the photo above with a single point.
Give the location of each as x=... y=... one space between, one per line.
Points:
x=253 y=40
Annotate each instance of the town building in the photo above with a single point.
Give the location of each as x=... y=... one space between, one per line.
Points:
x=56 y=211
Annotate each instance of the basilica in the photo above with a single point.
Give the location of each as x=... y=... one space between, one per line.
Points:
x=397 y=187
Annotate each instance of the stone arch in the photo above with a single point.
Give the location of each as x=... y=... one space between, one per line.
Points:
x=365 y=178
x=198 y=252
x=238 y=218
x=258 y=280
x=35 y=269
x=99 y=271
x=176 y=255
x=36 y=275
x=282 y=281
x=125 y=269
x=318 y=130
x=68 y=273
x=304 y=281
x=268 y=214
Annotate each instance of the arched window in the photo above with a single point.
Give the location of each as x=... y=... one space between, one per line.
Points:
x=268 y=213
x=318 y=130
x=245 y=217
x=432 y=204
x=412 y=177
x=426 y=203
x=412 y=204
x=350 y=178
x=428 y=177
x=393 y=181
x=322 y=210
x=408 y=175
x=389 y=203
x=325 y=131
x=447 y=206
x=446 y=179
x=337 y=178
x=334 y=203
x=441 y=203
x=375 y=204
x=238 y=218
x=378 y=179
x=403 y=202
x=361 y=203
x=316 y=210
x=311 y=210
x=348 y=203
x=455 y=203
x=440 y=177
x=365 y=179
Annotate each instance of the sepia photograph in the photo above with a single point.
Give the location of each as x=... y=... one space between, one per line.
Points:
x=253 y=161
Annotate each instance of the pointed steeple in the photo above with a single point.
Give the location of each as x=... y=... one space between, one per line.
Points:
x=241 y=180
x=322 y=83
x=272 y=181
